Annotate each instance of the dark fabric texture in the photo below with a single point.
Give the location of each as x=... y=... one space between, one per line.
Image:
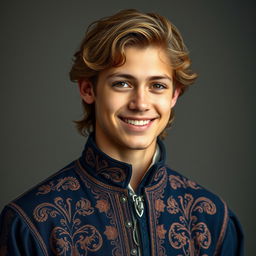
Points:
x=87 y=209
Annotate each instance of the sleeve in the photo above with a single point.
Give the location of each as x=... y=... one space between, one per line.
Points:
x=16 y=238
x=233 y=243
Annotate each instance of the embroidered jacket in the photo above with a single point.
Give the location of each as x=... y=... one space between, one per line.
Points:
x=87 y=209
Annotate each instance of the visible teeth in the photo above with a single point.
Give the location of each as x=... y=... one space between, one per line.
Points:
x=137 y=122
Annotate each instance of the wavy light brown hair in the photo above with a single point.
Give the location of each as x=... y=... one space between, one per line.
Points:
x=104 y=47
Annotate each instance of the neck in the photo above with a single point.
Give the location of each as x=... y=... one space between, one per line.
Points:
x=140 y=159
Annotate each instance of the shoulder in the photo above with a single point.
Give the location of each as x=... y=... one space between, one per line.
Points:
x=181 y=185
x=62 y=182
x=28 y=212
x=16 y=235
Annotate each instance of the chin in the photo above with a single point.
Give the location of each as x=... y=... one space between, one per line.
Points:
x=138 y=147
x=138 y=144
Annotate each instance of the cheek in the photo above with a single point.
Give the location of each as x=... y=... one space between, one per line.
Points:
x=109 y=105
x=164 y=105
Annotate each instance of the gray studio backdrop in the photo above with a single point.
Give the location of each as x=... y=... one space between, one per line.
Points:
x=213 y=138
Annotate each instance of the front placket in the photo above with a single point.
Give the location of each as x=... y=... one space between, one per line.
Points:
x=140 y=227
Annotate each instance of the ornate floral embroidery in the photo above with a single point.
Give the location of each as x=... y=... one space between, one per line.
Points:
x=161 y=231
x=111 y=233
x=103 y=205
x=116 y=231
x=188 y=234
x=159 y=205
x=155 y=194
x=178 y=182
x=101 y=167
x=70 y=236
x=173 y=206
x=65 y=183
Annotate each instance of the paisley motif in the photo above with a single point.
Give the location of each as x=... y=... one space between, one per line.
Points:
x=182 y=182
x=160 y=175
x=113 y=173
x=95 y=161
x=188 y=234
x=67 y=183
x=70 y=237
x=102 y=167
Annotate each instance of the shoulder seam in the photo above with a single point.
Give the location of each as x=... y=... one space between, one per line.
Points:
x=223 y=229
x=70 y=166
x=31 y=226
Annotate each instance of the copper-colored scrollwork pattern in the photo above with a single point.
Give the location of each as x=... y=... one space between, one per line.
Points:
x=70 y=237
x=155 y=197
x=102 y=167
x=67 y=183
x=178 y=182
x=87 y=238
x=103 y=205
x=187 y=233
x=161 y=177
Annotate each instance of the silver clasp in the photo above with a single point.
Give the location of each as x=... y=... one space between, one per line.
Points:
x=138 y=204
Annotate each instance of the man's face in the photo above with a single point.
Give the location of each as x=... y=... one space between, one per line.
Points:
x=133 y=102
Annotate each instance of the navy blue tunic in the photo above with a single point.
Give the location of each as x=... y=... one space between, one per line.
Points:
x=87 y=209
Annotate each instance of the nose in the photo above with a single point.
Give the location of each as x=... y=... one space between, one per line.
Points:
x=139 y=101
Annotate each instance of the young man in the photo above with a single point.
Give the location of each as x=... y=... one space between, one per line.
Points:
x=119 y=197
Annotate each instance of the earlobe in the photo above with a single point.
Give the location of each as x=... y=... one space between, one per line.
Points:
x=175 y=96
x=86 y=91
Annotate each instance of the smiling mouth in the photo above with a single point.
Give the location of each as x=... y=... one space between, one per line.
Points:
x=137 y=122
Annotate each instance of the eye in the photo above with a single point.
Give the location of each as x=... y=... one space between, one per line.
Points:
x=158 y=86
x=120 y=84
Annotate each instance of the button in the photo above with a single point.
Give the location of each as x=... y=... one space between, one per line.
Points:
x=134 y=251
x=128 y=224
x=123 y=199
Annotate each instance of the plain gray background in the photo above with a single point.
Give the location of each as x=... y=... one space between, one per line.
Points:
x=213 y=139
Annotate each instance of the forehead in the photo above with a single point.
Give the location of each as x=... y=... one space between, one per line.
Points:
x=142 y=63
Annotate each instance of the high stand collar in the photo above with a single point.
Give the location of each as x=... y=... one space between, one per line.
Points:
x=113 y=172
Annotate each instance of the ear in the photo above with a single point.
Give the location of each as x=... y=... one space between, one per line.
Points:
x=86 y=91
x=175 y=96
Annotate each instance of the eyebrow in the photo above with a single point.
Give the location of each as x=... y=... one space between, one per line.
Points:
x=130 y=77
